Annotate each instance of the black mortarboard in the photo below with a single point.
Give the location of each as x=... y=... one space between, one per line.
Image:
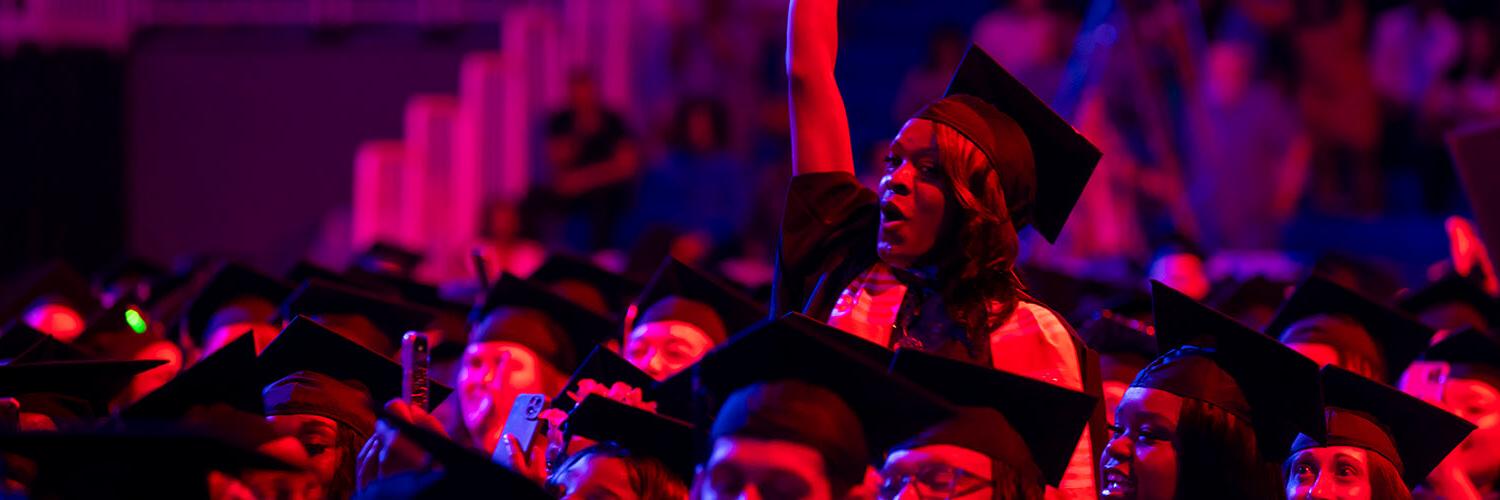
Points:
x=119 y=332
x=305 y=345
x=227 y=375
x=1063 y=158
x=889 y=408
x=1474 y=148
x=580 y=328
x=1412 y=434
x=232 y=283
x=731 y=309
x=674 y=442
x=466 y=473
x=21 y=343
x=1399 y=338
x=605 y=367
x=1471 y=354
x=1047 y=419
x=391 y=316
x=1110 y=334
x=56 y=281
x=1453 y=289
x=1255 y=298
x=1214 y=359
x=303 y=271
x=388 y=259
x=564 y=272
x=132 y=464
x=94 y=383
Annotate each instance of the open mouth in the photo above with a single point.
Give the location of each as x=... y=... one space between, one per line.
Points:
x=1117 y=484
x=889 y=212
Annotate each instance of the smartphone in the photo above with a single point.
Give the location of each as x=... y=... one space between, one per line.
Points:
x=415 y=358
x=525 y=423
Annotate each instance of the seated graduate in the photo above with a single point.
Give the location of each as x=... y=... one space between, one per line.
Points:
x=321 y=387
x=235 y=301
x=374 y=320
x=52 y=298
x=524 y=339
x=1214 y=416
x=1462 y=372
x=637 y=453
x=1453 y=303
x=800 y=417
x=1333 y=325
x=681 y=314
x=1011 y=438
x=1125 y=347
x=65 y=394
x=1381 y=443
x=452 y=471
x=928 y=261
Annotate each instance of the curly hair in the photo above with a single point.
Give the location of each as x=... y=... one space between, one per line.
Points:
x=980 y=287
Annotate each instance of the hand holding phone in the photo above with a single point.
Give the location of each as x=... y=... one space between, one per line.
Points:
x=524 y=424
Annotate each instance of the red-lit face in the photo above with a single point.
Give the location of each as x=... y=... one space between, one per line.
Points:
x=222 y=336
x=913 y=197
x=1140 y=462
x=1183 y=272
x=490 y=377
x=937 y=471
x=1331 y=473
x=739 y=468
x=56 y=320
x=1479 y=403
x=595 y=477
x=283 y=484
x=664 y=348
x=1322 y=354
x=319 y=438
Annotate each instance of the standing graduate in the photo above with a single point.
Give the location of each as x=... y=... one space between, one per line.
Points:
x=927 y=262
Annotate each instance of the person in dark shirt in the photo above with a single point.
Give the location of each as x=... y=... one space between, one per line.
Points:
x=592 y=160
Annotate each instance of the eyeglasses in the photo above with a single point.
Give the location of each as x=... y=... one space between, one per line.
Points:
x=934 y=481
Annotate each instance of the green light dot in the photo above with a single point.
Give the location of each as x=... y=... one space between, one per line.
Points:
x=136 y=322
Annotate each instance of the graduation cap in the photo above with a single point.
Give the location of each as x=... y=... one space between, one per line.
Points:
x=232 y=284
x=54 y=281
x=227 y=376
x=132 y=464
x=1474 y=148
x=1046 y=419
x=889 y=408
x=92 y=383
x=679 y=292
x=979 y=98
x=304 y=271
x=306 y=346
x=605 y=367
x=1398 y=338
x=579 y=279
x=558 y=329
x=1453 y=289
x=22 y=343
x=1212 y=358
x=325 y=301
x=465 y=471
x=388 y=259
x=1412 y=434
x=676 y=443
x=1124 y=345
x=1248 y=299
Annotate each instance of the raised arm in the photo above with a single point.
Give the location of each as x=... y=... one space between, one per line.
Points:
x=820 y=126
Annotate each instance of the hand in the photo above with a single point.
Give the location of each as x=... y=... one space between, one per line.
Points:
x=533 y=465
x=386 y=453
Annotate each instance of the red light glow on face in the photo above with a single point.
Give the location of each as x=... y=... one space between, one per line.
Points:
x=56 y=320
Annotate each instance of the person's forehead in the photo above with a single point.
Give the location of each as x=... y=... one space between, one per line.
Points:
x=1472 y=388
x=1330 y=453
x=498 y=348
x=915 y=135
x=666 y=330
x=301 y=423
x=1145 y=401
x=945 y=454
x=766 y=453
